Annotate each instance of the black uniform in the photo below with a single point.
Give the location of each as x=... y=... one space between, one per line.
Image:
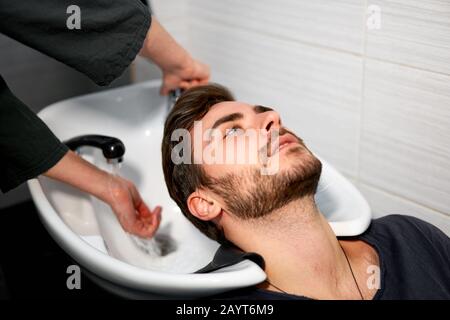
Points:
x=111 y=35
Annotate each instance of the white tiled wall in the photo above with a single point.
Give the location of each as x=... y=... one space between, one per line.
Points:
x=405 y=145
x=316 y=91
x=373 y=102
x=317 y=22
x=415 y=33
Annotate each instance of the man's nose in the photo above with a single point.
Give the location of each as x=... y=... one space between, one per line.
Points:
x=270 y=121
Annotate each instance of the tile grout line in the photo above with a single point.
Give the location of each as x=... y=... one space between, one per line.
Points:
x=363 y=55
x=404 y=65
x=397 y=196
x=279 y=37
x=362 y=96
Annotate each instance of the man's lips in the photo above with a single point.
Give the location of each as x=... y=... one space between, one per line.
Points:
x=283 y=141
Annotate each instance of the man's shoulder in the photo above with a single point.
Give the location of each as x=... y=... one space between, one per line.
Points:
x=414 y=255
x=402 y=225
x=404 y=229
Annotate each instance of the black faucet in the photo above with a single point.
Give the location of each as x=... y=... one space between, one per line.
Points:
x=113 y=149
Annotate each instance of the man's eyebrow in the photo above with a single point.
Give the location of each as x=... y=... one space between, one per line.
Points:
x=227 y=118
x=261 y=109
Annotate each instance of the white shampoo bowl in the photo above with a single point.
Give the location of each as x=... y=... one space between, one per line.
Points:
x=88 y=231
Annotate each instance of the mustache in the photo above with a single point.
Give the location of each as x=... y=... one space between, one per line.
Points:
x=267 y=149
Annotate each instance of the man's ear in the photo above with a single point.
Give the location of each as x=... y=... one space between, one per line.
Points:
x=203 y=206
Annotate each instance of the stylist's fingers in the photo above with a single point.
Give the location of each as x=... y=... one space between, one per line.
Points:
x=184 y=84
x=147 y=222
x=172 y=84
x=194 y=73
x=191 y=84
x=133 y=214
x=201 y=71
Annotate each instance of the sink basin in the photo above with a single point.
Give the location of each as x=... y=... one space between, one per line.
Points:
x=88 y=231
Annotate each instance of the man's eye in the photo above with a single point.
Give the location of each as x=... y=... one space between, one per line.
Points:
x=233 y=131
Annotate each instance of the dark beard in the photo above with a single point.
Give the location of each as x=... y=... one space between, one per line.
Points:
x=251 y=195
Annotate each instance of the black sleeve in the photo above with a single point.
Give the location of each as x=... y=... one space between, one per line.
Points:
x=110 y=36
x=27 y=146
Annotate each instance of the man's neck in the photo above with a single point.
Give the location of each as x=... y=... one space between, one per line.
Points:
x=301 y=251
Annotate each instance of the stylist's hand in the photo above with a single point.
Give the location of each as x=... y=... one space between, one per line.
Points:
x=179 y=69
x=131 y=211
x=121 y=194
x=192 y=73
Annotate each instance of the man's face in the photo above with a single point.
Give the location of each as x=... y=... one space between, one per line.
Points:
x=246 y=139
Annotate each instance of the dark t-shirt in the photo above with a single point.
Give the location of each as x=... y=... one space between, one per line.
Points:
x=111 y=35
x=414 y=262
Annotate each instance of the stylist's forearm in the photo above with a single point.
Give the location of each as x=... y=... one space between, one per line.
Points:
x=81 y=174
x=120 y=194
x=161 y=48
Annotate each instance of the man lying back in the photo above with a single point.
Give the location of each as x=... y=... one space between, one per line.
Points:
x=240 y=176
